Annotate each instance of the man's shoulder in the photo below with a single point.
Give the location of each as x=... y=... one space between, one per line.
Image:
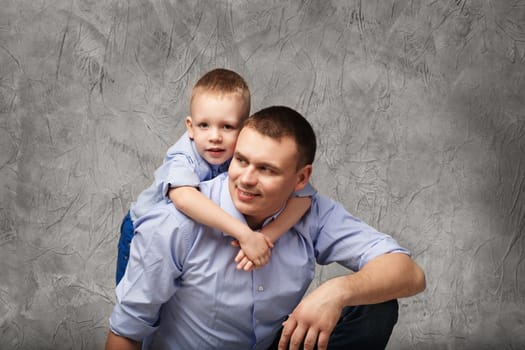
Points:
x=213 y=187
x=164 y=215
x=322 y=203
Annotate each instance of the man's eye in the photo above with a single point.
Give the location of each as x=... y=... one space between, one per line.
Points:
x=266 y=170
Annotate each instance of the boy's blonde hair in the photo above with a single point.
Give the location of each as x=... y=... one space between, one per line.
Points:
x=223 y=82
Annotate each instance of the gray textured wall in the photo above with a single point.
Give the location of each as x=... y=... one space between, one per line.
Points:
x=418 y=105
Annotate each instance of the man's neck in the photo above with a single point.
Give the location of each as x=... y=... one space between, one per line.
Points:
x=253 y=223
x=256 y=223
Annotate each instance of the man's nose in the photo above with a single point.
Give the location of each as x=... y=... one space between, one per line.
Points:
x=248 y=176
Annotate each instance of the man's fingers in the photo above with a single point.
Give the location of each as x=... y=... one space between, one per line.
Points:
x=310 y=339
x=297 y=337
x=288 y=328
x=322 y=341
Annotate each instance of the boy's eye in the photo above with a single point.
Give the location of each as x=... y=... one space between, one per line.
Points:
x=203 y=125
x=228 y=127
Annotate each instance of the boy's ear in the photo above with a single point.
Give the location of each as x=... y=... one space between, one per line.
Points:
x=303 y=176
x=189 y=124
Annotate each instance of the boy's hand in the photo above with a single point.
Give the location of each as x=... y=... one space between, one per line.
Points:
x=243 y=263
x=256 y=251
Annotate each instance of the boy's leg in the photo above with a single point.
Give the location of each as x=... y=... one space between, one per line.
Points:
x=126 y=235
x=361 y=327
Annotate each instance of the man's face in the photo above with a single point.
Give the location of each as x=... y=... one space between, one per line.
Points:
x=214 y=125
x=263 y=174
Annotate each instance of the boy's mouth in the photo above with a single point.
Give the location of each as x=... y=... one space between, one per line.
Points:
x=215 y=152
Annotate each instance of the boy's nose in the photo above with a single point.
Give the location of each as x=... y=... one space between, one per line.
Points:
x=215 y=135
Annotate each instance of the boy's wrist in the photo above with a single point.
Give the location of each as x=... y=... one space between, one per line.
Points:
x=242 y=235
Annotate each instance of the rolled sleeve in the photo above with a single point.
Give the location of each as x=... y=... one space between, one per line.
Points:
x=385 y=245
x=346 y=239
x=125 y=325
x=177 y=170
x=157 y=251
x=182 y=176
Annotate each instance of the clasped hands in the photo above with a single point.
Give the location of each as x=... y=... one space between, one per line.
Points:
x=255 y=251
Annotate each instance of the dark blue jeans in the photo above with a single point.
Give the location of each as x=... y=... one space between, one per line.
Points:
x=126 y=235
x=361 y=327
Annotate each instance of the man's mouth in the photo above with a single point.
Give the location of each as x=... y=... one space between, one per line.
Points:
x=245 y=195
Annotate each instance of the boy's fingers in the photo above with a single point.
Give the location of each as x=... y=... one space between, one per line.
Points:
x=248 y=266
x=240 y=255
x=242 y=264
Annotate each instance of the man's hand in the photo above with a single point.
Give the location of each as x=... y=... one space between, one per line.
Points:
x=386 y=277
x=312 y=321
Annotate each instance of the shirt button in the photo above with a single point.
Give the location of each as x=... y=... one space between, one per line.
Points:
x=260 y=289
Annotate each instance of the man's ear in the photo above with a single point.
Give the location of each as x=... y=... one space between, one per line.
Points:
x=189 y=124
x=303 y=176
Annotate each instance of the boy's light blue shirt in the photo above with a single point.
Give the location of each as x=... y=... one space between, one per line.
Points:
x=182 y=166
x=181 y=289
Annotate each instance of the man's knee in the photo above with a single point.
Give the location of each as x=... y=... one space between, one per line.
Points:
x=365 y=327
x=361 y=327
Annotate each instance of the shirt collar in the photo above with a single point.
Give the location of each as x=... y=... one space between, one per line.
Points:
x=214 y=169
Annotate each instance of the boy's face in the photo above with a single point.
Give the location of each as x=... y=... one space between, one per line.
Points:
x=214 y=125
x=263 y=174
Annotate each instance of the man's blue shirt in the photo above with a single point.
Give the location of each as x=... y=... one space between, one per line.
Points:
x=181 y=289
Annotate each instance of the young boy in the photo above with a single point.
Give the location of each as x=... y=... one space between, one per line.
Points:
x=220 y=102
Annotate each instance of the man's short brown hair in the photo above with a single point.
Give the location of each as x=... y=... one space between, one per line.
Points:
x=280 y=121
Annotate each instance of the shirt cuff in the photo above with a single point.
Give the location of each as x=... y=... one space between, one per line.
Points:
x=385 y=246
x=125 y=325
x=180 y=177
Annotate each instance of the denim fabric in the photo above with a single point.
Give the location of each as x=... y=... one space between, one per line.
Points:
x=126 y=235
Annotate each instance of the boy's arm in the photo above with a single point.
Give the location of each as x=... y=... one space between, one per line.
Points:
x=200 y=208
x=295 y=208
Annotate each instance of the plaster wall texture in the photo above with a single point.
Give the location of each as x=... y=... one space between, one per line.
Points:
x=418 y=106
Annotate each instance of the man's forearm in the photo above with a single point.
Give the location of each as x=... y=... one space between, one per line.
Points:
x=116 y=342
x=386 y=277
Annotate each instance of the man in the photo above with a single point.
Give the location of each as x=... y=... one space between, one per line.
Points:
x=181 y=289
